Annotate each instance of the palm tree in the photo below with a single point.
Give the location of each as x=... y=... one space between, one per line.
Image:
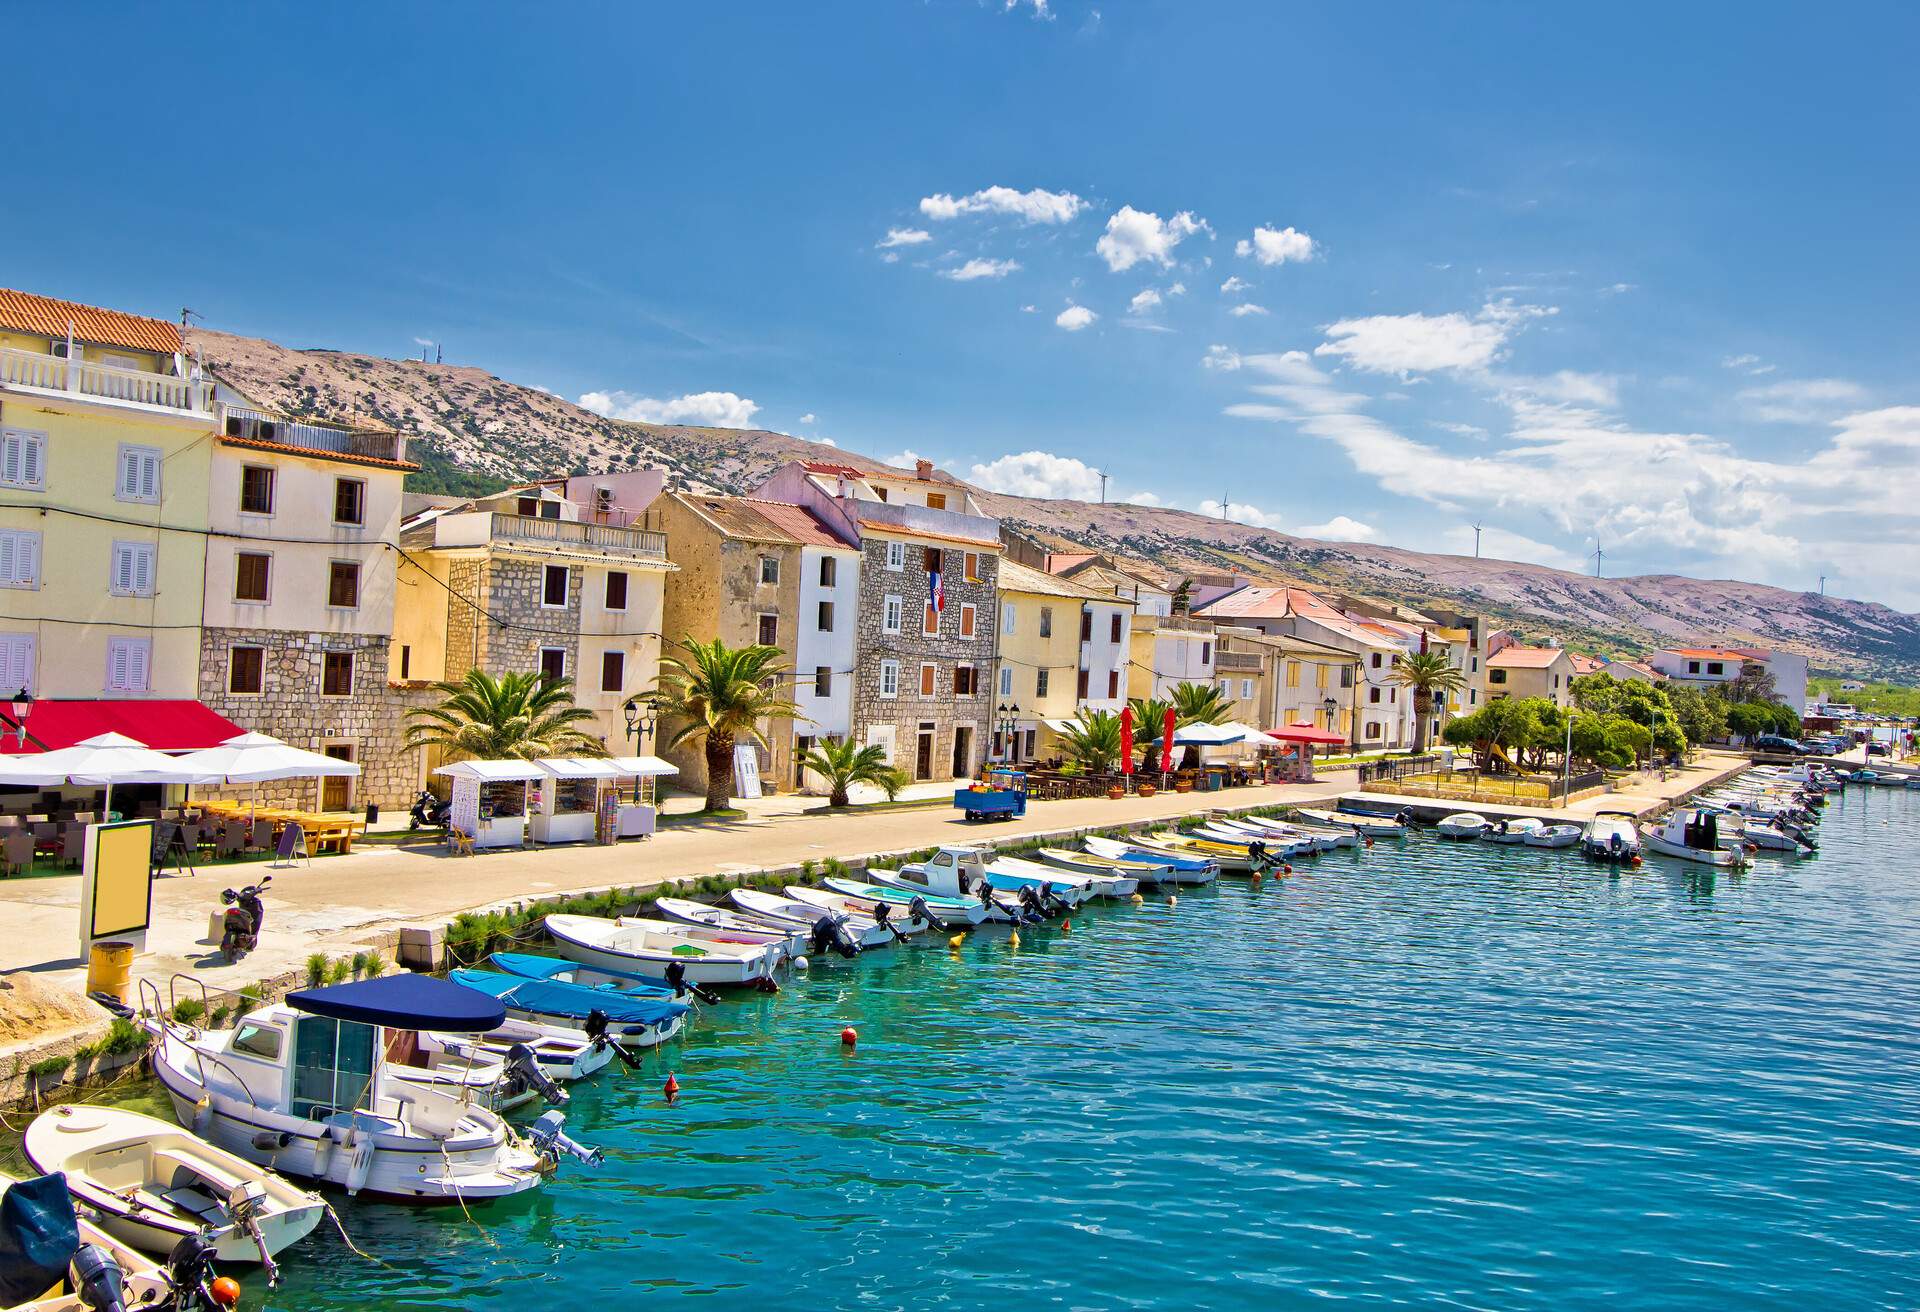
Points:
x=843 y=764
x=720 y=694
x=1149 y=722
x=1428 y=674
x=516 y=716
x=1092 y=741
x=1200 y=703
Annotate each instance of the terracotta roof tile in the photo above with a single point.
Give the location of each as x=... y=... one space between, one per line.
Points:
x=799 y=523
x=25 y=312
x=312 y=453
x=1015 y=577
x=1526 y=658
x=822 y=467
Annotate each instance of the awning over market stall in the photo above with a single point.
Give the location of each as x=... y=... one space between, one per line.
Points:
x=582 y=767
x=644 y=767
x=493 y=772
x=1307 y=733
x=162 y=724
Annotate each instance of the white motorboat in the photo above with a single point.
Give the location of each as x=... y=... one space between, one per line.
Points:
x=1378 y=826
x=1691 y=834
x=1462 y=824
x=681 y=911
x=785 y=911
x=1175 y=867
x=1611 y=836
x=1009 y=874
x=952 y=872
x=1552 y=836
x=894 y=917
x=1225 y=853
x=946 y=912
x=1086 y=863
x=648 y=947
x=142 y=1283
x=563 y=1053
x=305 y=1087
x=1511 y=831
x=150 y=1184
x=1298 y=839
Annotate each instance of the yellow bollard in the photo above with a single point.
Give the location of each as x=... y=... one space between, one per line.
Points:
x=110 y=968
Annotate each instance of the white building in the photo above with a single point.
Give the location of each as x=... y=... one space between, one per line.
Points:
x=1707 y=667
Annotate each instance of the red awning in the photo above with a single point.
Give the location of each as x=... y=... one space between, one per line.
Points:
x=1306 y=733
x=165 y=726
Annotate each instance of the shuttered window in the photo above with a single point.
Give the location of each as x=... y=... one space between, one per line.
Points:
x=616 y=589
x=23 y=459
x=343 y=584
x=16 y=663
x=246 y=670
x=128 y=660
x=336 y=674
x=132 y=572
x=19 y=558
x=349 y=501
x=252 y=575
x=139 y=478
x=613 y=671
x=256 y=489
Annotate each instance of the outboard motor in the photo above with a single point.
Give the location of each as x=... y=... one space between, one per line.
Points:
x=918 y=909
x=1031 y=903
x=832 y=932
x=523 y=1072
x=596 y=1029
x=883 y=917
x=676 y=974
x=98 y=1279
x=549 y=1135
x=1257 y=852
x=190 y=1272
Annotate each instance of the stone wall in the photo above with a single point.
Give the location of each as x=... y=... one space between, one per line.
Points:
x=290 y=707
x=945 y=651
x=468 y=579
x=514 y=590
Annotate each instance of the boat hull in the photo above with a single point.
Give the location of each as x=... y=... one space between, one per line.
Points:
x=711 y=968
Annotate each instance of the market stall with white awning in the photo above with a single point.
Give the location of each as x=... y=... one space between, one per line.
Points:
x=638 y=817
x=491 y=800
x=567 y=809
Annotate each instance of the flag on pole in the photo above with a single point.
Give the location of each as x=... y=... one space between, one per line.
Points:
x=1166 y=743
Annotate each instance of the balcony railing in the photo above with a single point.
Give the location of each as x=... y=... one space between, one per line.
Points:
x=924 y=519
x=53 y=373
x=482 y=528
x=1236 y=660
x=253 y=426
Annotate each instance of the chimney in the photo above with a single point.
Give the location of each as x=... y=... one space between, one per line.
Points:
x=923 y=468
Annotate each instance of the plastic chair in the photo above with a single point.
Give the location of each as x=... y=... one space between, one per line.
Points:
x=16 y=850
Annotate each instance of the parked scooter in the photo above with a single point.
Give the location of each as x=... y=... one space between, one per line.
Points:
x=429 y=810
x=246 y=916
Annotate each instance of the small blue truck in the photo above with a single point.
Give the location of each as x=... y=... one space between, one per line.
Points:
x=1000 y=795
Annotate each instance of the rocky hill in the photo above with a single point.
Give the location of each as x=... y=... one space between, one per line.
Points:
x=467 y=420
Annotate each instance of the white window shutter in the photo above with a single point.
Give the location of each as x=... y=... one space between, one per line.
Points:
x=150 y=476
x=138 y=656
x=10 y=557
x=120 y=580
x=33 y=459
x=143 y=571
x=129 y=473
x=27 y=560
x=13 y=458
x=116 y=665
x=16 y=662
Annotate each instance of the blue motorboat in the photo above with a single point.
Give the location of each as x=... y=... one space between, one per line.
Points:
x=637 y=1021
x=530 y=965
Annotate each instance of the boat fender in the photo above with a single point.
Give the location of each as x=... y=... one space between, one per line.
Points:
x=271 y=1141
x=203 y=1114
x=800 y=963
x=360 y=1165
x=1136 y=899
x=671 y=1089
x=1173 y=899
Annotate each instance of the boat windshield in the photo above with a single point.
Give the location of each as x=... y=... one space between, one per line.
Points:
x=332 y=1066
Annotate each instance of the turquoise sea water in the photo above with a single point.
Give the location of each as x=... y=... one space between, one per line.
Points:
x=1422 y=1076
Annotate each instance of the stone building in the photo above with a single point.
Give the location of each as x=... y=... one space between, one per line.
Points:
x=565 y=577
x=927 y=612
x=298 y=603
x=758 y=571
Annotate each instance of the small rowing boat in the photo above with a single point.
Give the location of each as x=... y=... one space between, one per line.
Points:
x=647 y=948
x=1462 y=824
x=637 y=1022
x=1552 y=836
x=1379 y=826
x=846 y=930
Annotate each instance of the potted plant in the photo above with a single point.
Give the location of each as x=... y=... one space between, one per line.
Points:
x=1117 y=791
x=1183 y=783
x=1146 y=790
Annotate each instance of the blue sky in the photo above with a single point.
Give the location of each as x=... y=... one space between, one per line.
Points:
x=1640 y=273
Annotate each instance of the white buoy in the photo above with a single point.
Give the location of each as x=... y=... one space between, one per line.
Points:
x=801 y=963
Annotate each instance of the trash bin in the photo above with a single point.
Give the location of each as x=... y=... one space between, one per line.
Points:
x=110 y=968
x=373 y=814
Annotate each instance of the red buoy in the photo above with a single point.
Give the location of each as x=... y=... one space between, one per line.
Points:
x=225 y=1291
x=1287 y=869
x=673 y=1088
x=1368 y=840
x=849 y=1036
x=1066 y=927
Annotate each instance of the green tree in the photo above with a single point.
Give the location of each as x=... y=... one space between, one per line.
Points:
x=1749 y=719
x=513 y=717
x=1149 y=723
x=843 y=764
x=1092 y=741
x=1702 y=716
x=719 y=694
x=1598 y=693
x=1200 y=703
x=1504 y=726
x=1427 y=674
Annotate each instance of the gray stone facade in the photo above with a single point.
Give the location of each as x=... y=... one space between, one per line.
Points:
x=290 y=706
x=909 y=710
x=508 y=590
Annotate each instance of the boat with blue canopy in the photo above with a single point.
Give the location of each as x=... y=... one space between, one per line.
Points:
x=625 y=983
x=638 y=1022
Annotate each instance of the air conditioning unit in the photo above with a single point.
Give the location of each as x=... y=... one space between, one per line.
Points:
x=602 y=497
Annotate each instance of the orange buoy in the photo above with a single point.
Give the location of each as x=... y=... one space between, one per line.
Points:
x=1287 y=868
x=1368 y=840
x=849 y=1036
x=1633 y=861
x=672 y=1089
x=225 y=1291
x=1066 y=927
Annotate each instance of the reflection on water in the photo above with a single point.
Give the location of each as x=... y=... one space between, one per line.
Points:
x=1426 y=1074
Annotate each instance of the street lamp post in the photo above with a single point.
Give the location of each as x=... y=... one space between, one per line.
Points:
x=1006 y=724
x=22 y=707
x=643 y=714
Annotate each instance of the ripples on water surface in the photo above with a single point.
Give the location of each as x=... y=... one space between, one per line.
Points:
x=1427 y=1075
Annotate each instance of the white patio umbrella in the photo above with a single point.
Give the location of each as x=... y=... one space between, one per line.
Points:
x=1208 y=735
x=103 y=760
x=256 y=758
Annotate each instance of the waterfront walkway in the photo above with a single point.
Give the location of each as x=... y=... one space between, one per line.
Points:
x=338 y=905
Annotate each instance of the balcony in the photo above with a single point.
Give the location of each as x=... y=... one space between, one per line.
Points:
x=1237 y=660
x=481 y=528
x=924 y=520
x=56 y=376
x=244 y=425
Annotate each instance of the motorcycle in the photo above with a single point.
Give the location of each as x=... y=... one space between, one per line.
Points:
x=429 y=810
x=245 y=917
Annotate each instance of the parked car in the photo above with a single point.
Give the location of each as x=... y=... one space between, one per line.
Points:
x=1773 y=742
x=1879 y=749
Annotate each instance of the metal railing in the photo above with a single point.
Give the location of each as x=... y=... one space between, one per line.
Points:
x=1396 y=767
x=253 y=426
x=571 y=532
x=53 y=373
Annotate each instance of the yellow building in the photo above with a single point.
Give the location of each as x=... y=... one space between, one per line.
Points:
x=106 y=437
x=1276 y=680
x=1064 y=648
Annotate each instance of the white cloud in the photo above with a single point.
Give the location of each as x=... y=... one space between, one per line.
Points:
x=1340 y=528
x=1036 y=206
x=1143 y=301
x=1420 y=343
x=1041 y=9
x=1574 y=388
x=1074 y=318
x=1143 y=499
x=1749 y=364
x=1234 y=285
x=701 y=409
x=976 y=269
x=904 y=237
x=1619 y=288
x=905 y=458
x=423 y=341
x=1029 y=309
x=1463 y=430
x=1240 y=513
x=1039 y=474
x=1801 y=401
x=891 y=257
x=1246 y=308
x=1134 y=235
x=1276 y=246
x=807 y=418
x=1178 y=289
